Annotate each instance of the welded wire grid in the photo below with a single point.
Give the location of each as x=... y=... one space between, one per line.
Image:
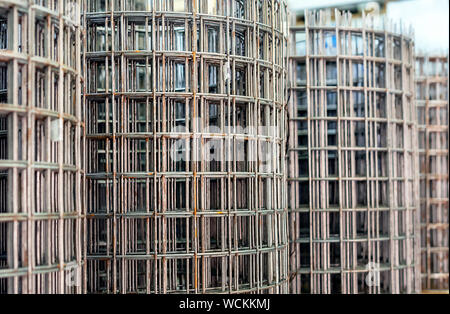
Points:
x=432 y=112
x=181 y=196
x=41 y=177
x=353 y=171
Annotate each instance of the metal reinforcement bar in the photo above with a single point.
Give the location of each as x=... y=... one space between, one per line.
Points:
x=185 y=110
x=41 y=176
x=353 y=166
x=432 y=112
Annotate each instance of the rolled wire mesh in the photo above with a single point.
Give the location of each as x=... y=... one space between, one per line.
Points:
x=432 y=112
x=353 y=171
x=185 y=136
x=185 y=110
x=41 y=177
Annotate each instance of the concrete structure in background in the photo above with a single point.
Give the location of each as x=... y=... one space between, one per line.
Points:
x=432 y=112
x=185 y=110
x=41 y=155
x=353 y=175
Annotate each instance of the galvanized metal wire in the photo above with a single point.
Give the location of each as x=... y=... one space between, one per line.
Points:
x=353 y=171
x=41 y=176
x=432 y=112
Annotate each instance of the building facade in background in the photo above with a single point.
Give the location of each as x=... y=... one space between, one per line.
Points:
x=432 y=112
x=353 y=175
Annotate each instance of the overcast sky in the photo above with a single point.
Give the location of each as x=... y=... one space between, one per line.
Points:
x=306 y=4
x=429 y=18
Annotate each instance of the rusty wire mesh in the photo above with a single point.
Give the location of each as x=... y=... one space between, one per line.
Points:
x=432 y=112
x=41 y=177
x=185 y=136
x=353 y=173
x=185 y=111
